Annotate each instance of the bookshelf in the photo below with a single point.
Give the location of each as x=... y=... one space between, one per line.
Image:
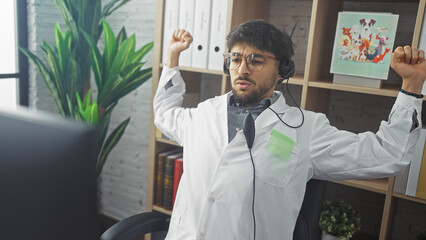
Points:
x=315 y=82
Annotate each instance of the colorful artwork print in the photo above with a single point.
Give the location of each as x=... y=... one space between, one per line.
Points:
x=363 y=44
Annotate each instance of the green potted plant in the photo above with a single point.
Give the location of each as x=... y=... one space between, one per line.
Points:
x=339 y=220
x=67 y=71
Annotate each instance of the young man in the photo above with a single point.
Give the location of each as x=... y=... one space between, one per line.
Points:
x=232 y=190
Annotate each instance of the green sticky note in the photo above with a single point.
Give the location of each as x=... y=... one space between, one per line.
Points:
x=281 y=145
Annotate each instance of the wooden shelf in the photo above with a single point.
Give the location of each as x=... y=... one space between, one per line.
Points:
x=375 y=185
x=356 y=89
x=296 y=80
x=162 y=210
x=386 y=90
x=199 y=70
x=409 y=198
x=170 y=142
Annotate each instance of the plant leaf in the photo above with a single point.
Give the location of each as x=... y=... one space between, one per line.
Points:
x=68 y=17
x=107 y=9
x=137 y=57
x=141 y=77
x=122 y=35
x=54 y=67
x=47 y=76
x=124 y=51
x=110 y=45
x=91 y=113
x=87 y=98
x=110 y=143
x=95 y=60
x=104 y=124
x=61 y=46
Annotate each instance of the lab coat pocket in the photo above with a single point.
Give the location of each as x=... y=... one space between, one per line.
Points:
x=277 y=159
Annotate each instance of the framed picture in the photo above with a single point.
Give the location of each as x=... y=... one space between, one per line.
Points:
x=363 y=44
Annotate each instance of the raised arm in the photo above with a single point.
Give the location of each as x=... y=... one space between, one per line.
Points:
x=169 y=116
x=339 y=155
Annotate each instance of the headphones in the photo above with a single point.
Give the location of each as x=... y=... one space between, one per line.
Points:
x=286 y=70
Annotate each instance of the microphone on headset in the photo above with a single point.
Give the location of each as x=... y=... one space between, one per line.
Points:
x=249 y=130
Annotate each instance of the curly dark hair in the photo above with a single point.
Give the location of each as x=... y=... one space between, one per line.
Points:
x=263 y=36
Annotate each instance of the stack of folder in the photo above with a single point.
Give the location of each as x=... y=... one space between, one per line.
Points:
x=206 y=20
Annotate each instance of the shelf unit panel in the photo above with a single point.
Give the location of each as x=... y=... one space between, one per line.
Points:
x=379 y=185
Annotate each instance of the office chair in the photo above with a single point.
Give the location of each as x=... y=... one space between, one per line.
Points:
x=136 y=226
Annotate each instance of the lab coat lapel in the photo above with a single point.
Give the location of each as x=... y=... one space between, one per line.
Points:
x=268 y=117
x=220 y=112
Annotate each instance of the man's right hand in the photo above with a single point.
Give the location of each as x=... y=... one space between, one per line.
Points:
x=181 y=39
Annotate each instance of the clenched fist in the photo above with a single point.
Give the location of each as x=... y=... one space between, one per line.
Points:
x=410 y=64
x=180 y=41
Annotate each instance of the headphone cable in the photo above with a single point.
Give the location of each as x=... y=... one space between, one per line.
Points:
x=254 y=194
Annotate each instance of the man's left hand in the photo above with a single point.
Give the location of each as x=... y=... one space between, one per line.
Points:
x=410 y=64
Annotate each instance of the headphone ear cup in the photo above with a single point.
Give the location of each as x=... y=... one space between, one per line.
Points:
x=225 y=69
x=287 y=70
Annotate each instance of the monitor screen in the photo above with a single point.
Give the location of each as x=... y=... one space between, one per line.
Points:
x=47 y=177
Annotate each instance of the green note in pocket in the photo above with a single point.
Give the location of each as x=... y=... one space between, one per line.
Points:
x=281 y=145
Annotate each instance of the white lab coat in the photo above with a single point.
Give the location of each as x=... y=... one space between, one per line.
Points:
x=214 y=199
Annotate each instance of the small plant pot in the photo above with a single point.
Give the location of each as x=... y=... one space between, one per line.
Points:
x=326 y=236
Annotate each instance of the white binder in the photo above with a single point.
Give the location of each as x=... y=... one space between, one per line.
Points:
x=201 y=35
x=171 y=21
x=416 y=162
x=217 y=34
x=186 y=21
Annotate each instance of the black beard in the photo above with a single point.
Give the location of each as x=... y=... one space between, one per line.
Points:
x=257 y=94
x=246 y=100
x=251 y=99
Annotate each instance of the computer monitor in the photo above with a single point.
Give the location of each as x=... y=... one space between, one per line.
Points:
x=47 y=178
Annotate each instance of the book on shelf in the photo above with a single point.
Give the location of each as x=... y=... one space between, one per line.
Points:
x=362 y=48
x=169 y=166
x=414 y=172
x=159 y=175
x=178 y=171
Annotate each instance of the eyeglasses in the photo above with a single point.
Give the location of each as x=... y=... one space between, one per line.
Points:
x=255 y=62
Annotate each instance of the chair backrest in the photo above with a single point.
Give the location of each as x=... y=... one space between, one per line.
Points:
x=307 y=221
